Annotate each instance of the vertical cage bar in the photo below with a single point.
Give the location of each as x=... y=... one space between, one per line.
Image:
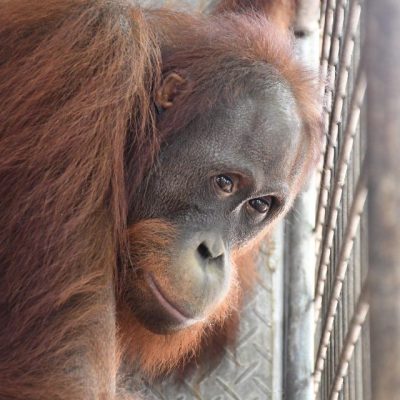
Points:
x=341 y=340
x=300 y=251
x=344 y=257
x=383 y=96
x=336 y=197
x=351 y=339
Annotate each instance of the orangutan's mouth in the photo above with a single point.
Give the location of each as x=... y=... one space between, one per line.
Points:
x=179 y=316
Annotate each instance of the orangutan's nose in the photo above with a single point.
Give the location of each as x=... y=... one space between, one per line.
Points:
x=211 y=247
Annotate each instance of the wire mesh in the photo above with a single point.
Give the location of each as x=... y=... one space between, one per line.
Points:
x=342 y=367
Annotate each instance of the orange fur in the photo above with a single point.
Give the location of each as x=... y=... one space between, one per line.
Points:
x=77 y=135
x=72 y=75
x=281 y=12
x=154 y=353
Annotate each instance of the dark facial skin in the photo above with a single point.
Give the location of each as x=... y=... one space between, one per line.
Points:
x=220 y=182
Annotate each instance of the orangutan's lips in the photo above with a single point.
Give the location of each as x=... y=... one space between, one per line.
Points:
x=170 y=308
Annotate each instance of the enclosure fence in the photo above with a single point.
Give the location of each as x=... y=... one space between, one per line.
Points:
x=342 y=337
x=357 y=214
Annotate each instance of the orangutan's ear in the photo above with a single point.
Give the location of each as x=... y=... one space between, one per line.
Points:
x=169 y=90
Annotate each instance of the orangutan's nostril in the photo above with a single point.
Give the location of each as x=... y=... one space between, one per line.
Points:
x=204 y=251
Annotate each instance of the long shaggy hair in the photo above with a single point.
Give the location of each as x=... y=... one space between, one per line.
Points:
x=77 y=135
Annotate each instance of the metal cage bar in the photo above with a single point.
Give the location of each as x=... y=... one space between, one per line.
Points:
x=341 y=369
x=339 y=182
x=341 y=269
x=350 y=341
x=336 y=112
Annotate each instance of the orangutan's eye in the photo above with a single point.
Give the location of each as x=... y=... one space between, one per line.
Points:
x=224 y=183
x=261 y=204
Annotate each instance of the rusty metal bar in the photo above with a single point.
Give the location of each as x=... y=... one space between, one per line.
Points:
x=383 y=61
x=350 y=341
x=342 y=165
x=351 y=229
x=340 y=94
